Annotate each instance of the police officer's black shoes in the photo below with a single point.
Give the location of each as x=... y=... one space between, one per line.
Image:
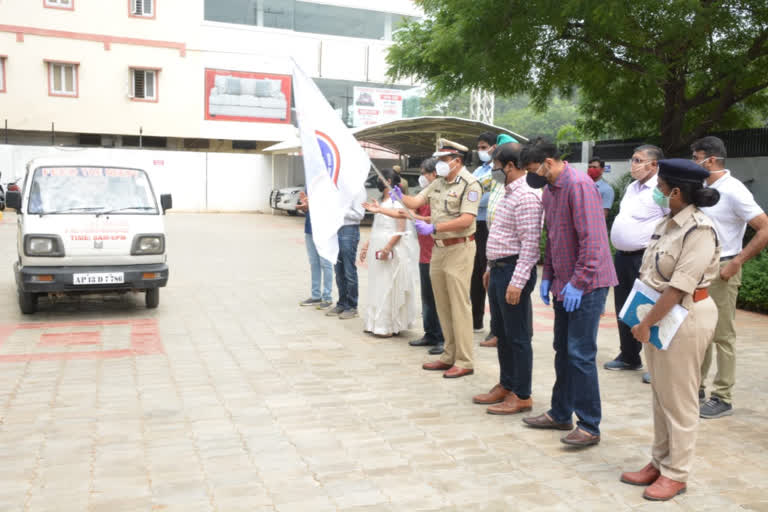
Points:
x=423 y=342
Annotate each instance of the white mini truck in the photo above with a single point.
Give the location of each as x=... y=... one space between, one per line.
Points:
x=88 y=227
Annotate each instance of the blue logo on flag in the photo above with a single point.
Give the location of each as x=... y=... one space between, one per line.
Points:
x=330 y=154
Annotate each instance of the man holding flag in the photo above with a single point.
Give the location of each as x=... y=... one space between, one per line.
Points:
x=335 y=167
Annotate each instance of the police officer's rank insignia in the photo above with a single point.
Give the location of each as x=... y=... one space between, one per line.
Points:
x=472 y=196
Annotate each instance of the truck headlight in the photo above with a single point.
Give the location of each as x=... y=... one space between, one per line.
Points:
x=148 y=244
x=43 y=245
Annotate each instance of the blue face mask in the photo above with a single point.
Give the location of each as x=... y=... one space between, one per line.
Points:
x=660 y=199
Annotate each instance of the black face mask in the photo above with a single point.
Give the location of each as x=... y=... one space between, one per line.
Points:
x=534 y=180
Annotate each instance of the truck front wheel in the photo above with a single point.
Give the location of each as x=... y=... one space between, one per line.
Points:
x=152 y=298
x=27 y=302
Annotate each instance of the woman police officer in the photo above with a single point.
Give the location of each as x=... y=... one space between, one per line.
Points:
x=680 y=263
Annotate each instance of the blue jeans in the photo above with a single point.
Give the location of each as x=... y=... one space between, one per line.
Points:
x=346 y=271
x=432 y=330
x=320 y=267
x=513 y=325
x=576 y=388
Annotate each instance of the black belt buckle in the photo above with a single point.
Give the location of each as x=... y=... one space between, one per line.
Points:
x=502 y=262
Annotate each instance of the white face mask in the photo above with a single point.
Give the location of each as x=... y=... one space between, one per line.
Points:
x=483 y=155
x=442 y=168
x=423 y=181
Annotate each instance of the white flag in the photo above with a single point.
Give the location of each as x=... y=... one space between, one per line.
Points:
x=335 y=166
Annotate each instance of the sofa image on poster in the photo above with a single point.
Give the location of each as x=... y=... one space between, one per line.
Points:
x=240 y=96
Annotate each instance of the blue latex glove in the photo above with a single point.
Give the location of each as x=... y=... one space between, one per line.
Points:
x=572 y=298
x=544 y=290
x=396 y=194
x=423 y=228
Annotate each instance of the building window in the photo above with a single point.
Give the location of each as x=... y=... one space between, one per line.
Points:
x=316 y=18
x=144 y=84
x=145 y=142
x=60 y=4
x=143 y=8
x=62 y=78
x=2 y=73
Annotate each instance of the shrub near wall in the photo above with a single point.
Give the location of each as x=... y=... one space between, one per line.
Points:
x=753 y=294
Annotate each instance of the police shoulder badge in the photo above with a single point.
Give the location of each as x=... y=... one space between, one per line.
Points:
x=472 y=196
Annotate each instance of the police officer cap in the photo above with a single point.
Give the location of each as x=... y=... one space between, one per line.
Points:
x=680 y=169
x=448 y=147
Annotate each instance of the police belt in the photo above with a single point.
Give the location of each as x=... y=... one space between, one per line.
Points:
x=503 y=262
x=445 y=242
x=700 y=294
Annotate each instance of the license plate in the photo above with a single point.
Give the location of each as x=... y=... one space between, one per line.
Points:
x=99 y=278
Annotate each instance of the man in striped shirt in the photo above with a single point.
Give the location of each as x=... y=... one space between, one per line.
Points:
x=578 y=270
x=512 y=251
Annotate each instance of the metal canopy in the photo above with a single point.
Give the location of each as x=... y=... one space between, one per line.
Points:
x=418 y=136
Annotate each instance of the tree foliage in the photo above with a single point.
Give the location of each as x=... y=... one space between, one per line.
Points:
x=676 y=69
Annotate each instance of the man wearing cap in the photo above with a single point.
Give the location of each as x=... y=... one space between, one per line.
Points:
x=731 y=214
x=453 y=199
x=578 y=271
x=486 y=143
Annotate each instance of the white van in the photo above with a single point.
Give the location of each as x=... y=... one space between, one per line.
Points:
x=88 y=226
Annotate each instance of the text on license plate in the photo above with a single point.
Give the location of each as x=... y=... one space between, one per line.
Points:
x=99 y=278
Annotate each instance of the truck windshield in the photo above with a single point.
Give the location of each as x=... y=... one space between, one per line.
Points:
x=90 y=190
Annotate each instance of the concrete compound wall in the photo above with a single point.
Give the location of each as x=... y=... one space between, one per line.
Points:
x=198 y=181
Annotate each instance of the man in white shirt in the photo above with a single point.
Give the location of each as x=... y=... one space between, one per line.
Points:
x=630 y=235
x=731 y=214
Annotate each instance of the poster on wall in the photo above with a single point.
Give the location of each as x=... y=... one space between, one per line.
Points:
x=373 y=106
x=246 y=96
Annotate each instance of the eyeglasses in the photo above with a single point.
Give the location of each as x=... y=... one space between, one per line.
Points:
x=638 y=161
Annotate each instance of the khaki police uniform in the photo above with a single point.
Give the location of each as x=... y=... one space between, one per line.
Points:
x=683 y=253
x=452 y=260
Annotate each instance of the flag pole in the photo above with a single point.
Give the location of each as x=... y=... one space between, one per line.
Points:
x=384 y=181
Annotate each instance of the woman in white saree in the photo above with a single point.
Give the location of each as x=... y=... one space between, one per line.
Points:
x=393 y=299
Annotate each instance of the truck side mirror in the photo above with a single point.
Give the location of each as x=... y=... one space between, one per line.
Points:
x=166 y=201
x=13 y=199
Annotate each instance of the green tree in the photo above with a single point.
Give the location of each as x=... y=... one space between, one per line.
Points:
x=676 y=69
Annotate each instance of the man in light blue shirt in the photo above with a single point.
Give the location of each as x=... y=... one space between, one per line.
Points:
x=486 y=143
x=595 y=171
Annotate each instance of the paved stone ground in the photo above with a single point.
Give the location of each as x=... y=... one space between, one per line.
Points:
x=230 y=397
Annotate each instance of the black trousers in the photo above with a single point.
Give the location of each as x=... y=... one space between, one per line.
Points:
x=513 y=325
x=476 y=290
x=627 y=269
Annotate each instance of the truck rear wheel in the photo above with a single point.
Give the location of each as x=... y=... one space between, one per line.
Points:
x=152 y=298
x=27 y=302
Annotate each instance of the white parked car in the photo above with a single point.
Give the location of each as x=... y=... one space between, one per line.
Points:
x=88 y=226
x=285 y=199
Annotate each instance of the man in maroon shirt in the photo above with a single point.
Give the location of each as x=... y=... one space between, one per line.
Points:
x=433 y=334
x=578 y=270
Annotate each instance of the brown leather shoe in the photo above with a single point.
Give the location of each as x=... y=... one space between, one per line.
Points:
x=511 y=405
x=664 y=489
x=645 y=476
x=490 y=343
x=494 y=396
x=579 y=437
x=544 y=421
x=456 y=371
x=436 y=366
